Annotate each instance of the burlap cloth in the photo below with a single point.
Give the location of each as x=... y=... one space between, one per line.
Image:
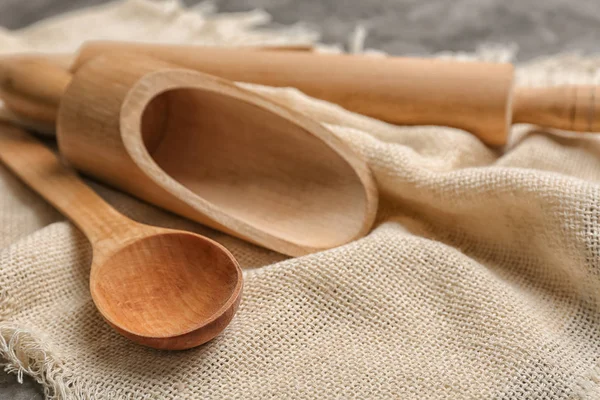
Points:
x=481 y=280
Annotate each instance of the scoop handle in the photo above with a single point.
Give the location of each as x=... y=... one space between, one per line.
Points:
x=42 y=171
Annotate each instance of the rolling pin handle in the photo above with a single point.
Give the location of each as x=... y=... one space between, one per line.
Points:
x=568 y=107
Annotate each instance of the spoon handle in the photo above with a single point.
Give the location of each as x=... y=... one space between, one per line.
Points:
x=41 y=170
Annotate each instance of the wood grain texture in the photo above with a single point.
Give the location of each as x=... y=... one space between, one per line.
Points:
x=161 y=288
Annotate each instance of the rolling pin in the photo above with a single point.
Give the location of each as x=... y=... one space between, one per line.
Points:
x=474 y=96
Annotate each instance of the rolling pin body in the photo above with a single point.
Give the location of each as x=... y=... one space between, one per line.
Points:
x=473 y=96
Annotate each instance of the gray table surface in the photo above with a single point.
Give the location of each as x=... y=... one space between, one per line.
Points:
x=538 y=27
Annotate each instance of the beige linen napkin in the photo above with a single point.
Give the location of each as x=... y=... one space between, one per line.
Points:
x=482 y=279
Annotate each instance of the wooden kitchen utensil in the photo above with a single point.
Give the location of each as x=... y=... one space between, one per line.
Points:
x=474 y=96
x=159 y=287
x=223 y=156
x=213 y=152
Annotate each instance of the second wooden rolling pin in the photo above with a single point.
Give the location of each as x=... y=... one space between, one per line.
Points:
x=474 y=96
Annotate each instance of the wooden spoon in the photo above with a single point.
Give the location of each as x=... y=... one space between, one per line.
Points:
x=159 y=287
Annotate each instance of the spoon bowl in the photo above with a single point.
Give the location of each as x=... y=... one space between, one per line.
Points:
x=168 y=289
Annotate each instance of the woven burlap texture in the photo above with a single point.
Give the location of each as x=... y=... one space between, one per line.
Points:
x=481 y=279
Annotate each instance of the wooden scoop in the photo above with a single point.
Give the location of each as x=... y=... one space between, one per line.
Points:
x=208 y=150
x=161 y=288
x=473 y=96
